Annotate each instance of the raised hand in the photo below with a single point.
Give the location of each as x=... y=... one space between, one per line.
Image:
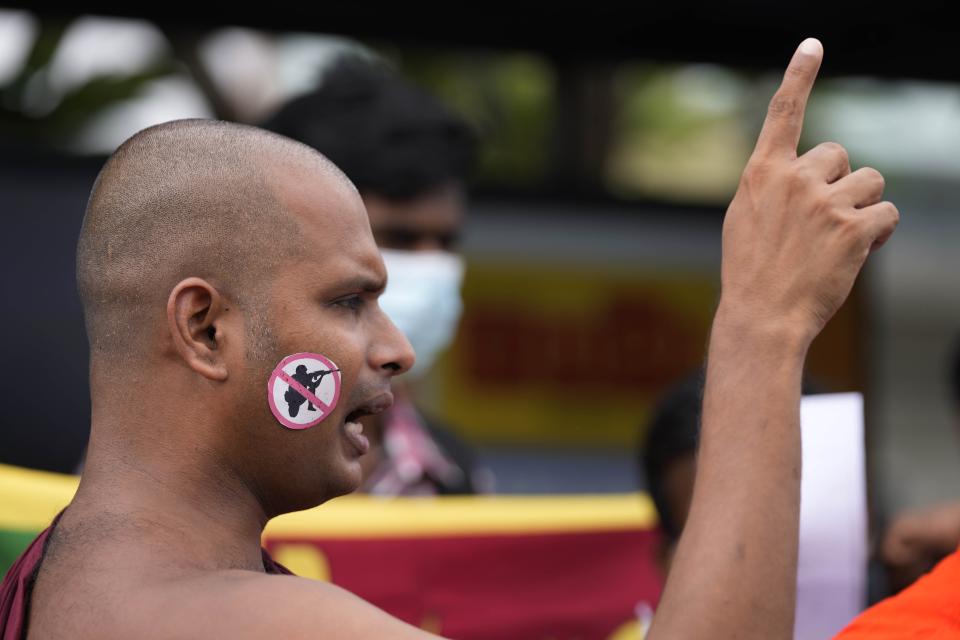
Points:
x=799 y=228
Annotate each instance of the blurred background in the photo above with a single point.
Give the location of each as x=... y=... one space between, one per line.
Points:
x=609 y=145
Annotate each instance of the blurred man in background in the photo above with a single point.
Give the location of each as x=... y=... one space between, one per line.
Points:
x=668 y=460
x=410 y=158
x=668 y=457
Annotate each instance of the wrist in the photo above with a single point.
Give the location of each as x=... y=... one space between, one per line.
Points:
x=781 y=336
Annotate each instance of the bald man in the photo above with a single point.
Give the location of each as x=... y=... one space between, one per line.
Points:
x=214 y=259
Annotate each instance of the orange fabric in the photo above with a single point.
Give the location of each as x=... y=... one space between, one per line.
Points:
x=930 y=608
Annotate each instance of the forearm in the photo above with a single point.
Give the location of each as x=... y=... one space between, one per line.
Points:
x=734 y=574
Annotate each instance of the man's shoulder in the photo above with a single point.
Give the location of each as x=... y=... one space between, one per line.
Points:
x=245 y=604
x=214 y=604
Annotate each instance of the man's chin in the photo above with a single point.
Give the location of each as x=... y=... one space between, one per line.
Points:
x=349 y=478
x=347 y=481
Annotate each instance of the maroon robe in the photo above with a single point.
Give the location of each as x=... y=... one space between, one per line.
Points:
x=18 y=583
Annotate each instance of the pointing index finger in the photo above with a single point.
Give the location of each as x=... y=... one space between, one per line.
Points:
x=781 y=128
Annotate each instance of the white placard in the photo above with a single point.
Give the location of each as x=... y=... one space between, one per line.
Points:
x=831 y=583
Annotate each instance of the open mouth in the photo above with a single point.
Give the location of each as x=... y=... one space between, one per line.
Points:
x=354 y=416
x=372 y=407
x=352 y=427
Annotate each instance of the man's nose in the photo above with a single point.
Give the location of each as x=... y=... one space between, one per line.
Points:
x=394 y=354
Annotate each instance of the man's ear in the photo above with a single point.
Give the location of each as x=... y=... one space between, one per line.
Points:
x=194 y=310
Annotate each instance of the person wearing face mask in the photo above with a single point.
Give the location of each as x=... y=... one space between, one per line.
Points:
x=409 y=158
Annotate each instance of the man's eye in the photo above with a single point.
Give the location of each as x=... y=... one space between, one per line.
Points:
x=353 y=302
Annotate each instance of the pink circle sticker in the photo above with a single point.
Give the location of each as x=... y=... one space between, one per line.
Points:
x=303 y=390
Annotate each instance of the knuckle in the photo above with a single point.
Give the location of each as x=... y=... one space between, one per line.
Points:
x=875 y=176
x=853 y=228
x=819 y=199
x=839 y=151
x=890 y=210
x=796 y=71
x=824 y=203
x=783 y=105
x=756 y=170
x=802 y=175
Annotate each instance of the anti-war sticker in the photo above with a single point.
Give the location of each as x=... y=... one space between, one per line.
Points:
x=303 y=390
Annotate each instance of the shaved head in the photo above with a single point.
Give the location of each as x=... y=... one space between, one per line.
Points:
x=184 y=198
x=209 y=252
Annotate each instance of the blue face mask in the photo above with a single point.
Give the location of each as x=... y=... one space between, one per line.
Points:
x=423 y=300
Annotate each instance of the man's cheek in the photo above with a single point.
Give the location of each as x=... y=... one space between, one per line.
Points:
x=303 y=390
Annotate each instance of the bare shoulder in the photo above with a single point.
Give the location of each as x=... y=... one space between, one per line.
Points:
x=242 y=604
x=140 y=603
x=98 y=581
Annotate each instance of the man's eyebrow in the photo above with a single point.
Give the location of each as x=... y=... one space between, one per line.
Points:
x=367 y=284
